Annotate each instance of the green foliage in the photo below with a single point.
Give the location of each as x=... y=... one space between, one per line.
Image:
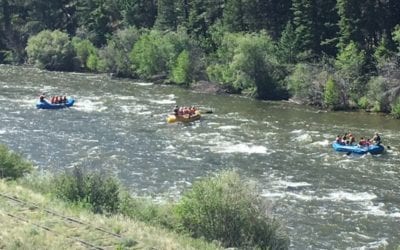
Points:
x=146 y=210
x=139 y=13
x=331 y=94
x=377 y=87
x=396 y=36
x=50 y=50
x=226 y=209
x=303 y=21
x=166 y=15
x=155 y=52
x=12 y=165
x=181 y=71
x=396 y=109
x=382 y=52
x=299 y=82
x=114 y=57
x=95 y=190
x=364 y=103
x=288 y=48
x=247 y=62
x=350 y=63
x=84 y=49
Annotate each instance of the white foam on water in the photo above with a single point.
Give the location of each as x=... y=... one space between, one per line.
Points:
x=230 y=148
x=347 y=196
x=143 y=83
x=297 y=131
x=165 y=101
x=324 y=143
x=303 y=138
x=272 y=195
x=126 y=97
x=228 y=127
x=285 y=184
x=2 y=131
x=89 y=106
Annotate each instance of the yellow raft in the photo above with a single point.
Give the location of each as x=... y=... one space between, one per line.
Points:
x=184 y=118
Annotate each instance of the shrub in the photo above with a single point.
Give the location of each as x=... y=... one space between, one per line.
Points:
x=331 y=94
x=12 y=165
x=156 y=52
x=84 y=49
x=50 y=50
x=146 y=210
x=181 y=71
x=248 y=63
x=396 y=109
x=226 y=209
x=100 y=193
x=114 y=57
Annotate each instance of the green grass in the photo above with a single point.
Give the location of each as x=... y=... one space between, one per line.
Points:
x=29 y=231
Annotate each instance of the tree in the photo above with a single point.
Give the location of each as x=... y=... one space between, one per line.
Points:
x=181 y=71
x=166 y=15
x=331 y=94
x=288 y=48
x=139 y=13
x=247 y=63
x=304 y=24
x=350 y=63
x=50 y=50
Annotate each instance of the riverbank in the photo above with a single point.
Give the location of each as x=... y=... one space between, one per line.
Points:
x=35 y=221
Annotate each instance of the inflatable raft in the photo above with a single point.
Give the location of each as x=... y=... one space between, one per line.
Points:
x=184 y=118
x=372 y=149
x=46 y=105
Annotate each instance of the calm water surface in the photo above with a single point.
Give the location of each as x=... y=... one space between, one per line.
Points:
x=326 y=200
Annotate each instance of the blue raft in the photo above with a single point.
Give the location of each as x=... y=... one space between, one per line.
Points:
x=46 y=105
x=372 y=149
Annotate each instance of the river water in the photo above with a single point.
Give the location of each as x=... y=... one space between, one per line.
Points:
x=326 y=200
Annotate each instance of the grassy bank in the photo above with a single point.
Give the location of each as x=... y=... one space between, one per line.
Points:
x=82 y=208
x=35 y=221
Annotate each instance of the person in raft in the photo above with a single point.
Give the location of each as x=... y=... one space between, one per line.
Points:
x=376 y=139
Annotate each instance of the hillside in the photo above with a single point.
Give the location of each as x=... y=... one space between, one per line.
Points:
x=34 y=221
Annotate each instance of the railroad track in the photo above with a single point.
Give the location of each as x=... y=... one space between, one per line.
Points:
x=72 y=229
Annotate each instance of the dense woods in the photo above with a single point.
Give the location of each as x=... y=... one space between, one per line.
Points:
x=336 y=54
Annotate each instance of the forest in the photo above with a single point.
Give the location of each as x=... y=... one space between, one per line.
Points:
x=334 y=54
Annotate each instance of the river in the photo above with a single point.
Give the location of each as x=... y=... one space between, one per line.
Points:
x=325 y=199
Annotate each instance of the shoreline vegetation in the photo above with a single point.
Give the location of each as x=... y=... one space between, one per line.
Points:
x=83 y=209
x=332 y=54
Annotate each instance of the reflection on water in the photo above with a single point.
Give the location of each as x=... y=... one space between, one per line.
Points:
x=326 y=199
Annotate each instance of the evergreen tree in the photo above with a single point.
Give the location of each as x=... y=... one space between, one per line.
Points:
x=139 y=13
x=166 y=15
x=233 y=16
x=288 y=47
x=303 y=21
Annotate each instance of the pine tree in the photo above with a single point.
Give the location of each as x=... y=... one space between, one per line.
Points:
x=140 y=13
x=166 y=15
x=303 y=21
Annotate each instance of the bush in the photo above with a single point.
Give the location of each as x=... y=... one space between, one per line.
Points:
x=50 y=50
x=12 y=165
x=114 y=58
x=226 y=209
x=100 y=193
x=248 y=63
x=146 y=210
x=181 y=71
x=396 y=109
x=156 y=52
x=84 y=49
x=331 y=94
